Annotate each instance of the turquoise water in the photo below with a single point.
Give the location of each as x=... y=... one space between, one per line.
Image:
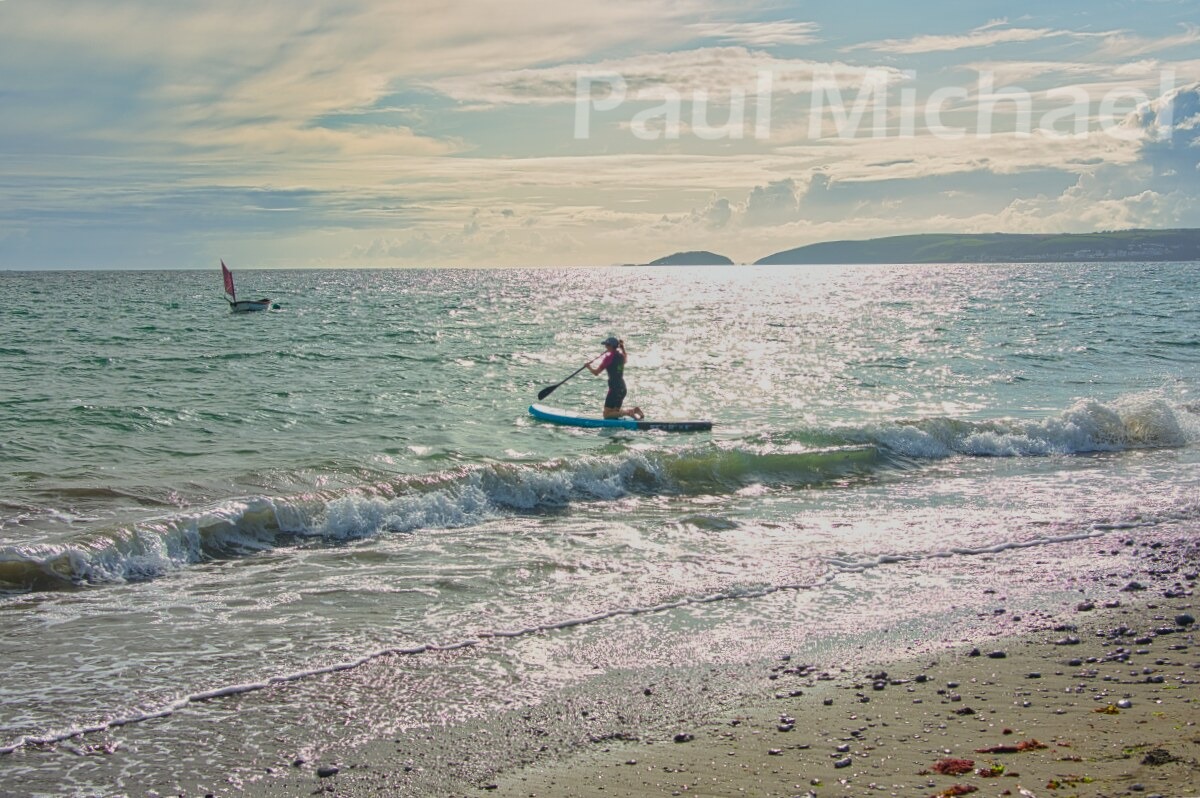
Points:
x=209 y=519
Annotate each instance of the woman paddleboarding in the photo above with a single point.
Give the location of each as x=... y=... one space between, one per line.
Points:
x=613 y=361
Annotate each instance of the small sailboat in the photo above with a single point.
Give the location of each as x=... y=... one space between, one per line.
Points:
x=240 y=305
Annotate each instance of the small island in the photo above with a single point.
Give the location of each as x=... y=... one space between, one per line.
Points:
x=693 y=258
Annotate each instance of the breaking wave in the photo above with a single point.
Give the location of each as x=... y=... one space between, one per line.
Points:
x=471 y=496
x=1136 y=422
x=453 y=499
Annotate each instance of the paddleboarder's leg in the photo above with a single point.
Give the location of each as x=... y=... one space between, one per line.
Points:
x=612 y=402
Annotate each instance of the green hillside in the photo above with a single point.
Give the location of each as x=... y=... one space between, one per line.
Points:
x=1120 y=245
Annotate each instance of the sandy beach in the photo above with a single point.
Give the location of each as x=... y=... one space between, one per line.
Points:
x=1099 y=700
x=1103 y=707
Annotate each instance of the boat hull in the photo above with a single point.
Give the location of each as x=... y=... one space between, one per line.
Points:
x=247 y=305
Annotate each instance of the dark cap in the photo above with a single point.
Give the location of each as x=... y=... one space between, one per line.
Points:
x=610 y=341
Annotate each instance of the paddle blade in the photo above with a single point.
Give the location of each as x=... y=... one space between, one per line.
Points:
x=542 y=394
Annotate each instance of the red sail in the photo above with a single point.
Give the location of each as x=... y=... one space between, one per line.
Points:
x=228 y=275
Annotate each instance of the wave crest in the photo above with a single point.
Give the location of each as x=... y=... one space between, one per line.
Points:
x=1086 y=427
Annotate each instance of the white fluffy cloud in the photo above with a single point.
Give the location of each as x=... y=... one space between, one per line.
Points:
x=772 y=204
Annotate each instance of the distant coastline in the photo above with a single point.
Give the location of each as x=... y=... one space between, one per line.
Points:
x=1117 y=245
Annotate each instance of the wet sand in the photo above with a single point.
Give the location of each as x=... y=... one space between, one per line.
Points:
x=1099 y=700
x=1105 y=706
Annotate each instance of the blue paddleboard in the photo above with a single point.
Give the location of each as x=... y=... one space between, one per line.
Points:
x=572 y=419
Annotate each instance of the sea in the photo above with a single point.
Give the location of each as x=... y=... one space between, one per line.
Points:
x=236 y=548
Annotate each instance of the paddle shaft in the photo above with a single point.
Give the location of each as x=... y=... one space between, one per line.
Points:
x=542 y=394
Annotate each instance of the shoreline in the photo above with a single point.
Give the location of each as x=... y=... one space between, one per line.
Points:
x=1097 y=701
x=1107 y=706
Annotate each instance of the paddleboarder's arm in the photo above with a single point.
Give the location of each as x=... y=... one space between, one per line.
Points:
x=604 y=360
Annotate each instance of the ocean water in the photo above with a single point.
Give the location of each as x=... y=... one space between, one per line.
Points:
x=234 y=543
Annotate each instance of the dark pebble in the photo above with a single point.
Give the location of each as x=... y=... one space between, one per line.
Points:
x=1133 y=587
x=326 y=771
x=997 y=655
x=1184 y=620
x=842 y=763
x=684 y=737
x=1158 y=756
x=1033 y=675
x=828 y=702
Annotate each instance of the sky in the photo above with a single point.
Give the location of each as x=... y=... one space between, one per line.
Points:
x=397 y=133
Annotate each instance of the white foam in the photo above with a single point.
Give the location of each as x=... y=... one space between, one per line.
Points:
x=1144 y=421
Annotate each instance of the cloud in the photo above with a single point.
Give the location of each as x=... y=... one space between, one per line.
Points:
x=988 y=35
x=1169 y=129
x=1123 y=45
x=757 y=34
x=772 y=204
x=714 y=71
x=165 y=73
x=716 y=215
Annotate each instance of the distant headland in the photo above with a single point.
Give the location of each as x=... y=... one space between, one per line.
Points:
x=1116 y=245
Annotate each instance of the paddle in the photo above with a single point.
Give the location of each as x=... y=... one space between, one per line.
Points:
x=542 y=394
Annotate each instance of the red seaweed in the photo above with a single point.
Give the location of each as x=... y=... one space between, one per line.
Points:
x=953 y=767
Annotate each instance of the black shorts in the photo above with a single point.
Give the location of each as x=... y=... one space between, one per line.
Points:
x=616 y=395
